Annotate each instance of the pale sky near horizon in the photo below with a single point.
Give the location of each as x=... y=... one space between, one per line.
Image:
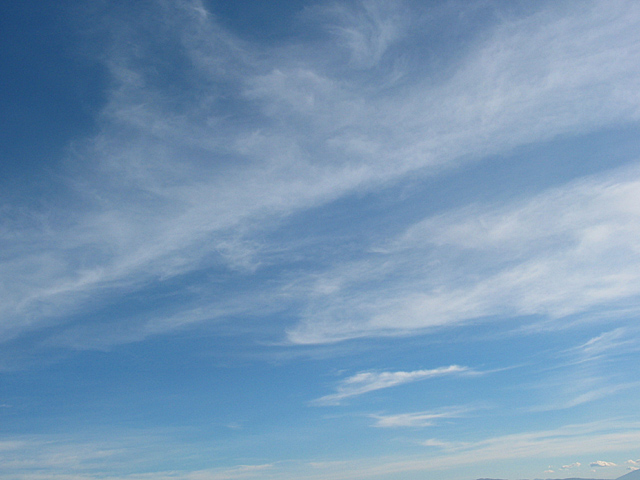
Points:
x=319 y=240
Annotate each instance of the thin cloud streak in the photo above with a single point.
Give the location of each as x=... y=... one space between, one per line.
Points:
x=617 y=342
x=493 y=261
x=417 y=419
x=366 y=382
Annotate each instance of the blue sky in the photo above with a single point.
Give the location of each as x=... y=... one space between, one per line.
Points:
x=319 y=240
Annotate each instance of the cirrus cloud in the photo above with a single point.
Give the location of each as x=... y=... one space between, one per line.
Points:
x=366 y=382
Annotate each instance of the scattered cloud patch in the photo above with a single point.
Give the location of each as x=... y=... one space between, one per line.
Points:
x=603 y=464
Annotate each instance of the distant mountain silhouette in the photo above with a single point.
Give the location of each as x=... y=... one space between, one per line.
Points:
x=635 y=475
x=625 y=477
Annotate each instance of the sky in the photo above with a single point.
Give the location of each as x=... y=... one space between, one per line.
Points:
x=319 y=240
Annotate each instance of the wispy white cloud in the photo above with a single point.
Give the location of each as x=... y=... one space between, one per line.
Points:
x=365 y=29
x=571 y=465
x=198 y=176
x=616 y=342
x=85 y=457
x=56 y=454
x=370 y=381
x=190 y=175
x=433 y=442
x=602 y=463
x=579 y=391
x=593 y=371
x=570 y=440
x=564 y=441
x=509 y=260
x=50 y=456
x=417 y=419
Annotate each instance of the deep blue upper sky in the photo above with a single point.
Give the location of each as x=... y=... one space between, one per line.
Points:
x=312 y=240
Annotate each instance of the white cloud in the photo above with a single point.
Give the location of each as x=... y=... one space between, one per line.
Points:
x=176 y=180
x=49 y=456
x=416 y=419
x=433 y=442
x=569 y=440
x=582 y=391
x=505 y=260
x=365 y=382
x=601 y=463
x=106 y=455
x=571 y=465
x=619 y=341
x=365 y=29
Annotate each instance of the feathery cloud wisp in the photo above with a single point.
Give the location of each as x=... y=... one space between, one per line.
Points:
x=416 y=419
x=511 y=260
x=181 y=179
x=370 y=381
